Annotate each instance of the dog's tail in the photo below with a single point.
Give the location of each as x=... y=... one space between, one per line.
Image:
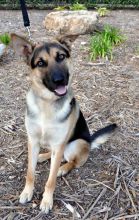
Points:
x=102 y=135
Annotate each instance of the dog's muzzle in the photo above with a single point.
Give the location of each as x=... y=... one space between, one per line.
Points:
x=60 y=83
x=57 y=82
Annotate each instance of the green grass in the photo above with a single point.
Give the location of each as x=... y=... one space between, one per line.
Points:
x=5 y=39
x=102 y=11
x=60 y=8
x=77 y=6
x=102 y=44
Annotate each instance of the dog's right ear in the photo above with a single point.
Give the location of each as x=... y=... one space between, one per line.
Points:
x=67 y=40
x=22 y=46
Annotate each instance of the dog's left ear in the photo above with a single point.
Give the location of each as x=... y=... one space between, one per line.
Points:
x=67 y=40
x=22 y=46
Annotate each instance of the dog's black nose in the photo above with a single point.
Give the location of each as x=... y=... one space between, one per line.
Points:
x=58 y=78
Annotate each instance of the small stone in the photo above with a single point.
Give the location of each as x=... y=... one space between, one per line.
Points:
x=34 y=205
x=2 y=49
x=11 y=177
x=83 y=43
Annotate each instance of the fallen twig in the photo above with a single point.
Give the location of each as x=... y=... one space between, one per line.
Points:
x=94 y=64
x=11 y=207
x=115 y=194
x=95 y=202
x=124 y=217
x=129 y=195
x=116 y=176
x=37 y=217
x=101 y=183
x=67 y=183
x=121 y=160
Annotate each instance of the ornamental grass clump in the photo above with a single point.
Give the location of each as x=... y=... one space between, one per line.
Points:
x=77 y=6
x=60 y=8
x=5 y=39
x=102 y=44
x=102 y=11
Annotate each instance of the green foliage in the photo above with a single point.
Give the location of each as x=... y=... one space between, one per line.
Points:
x=5 y=39
x=101 y=45
x=77 y=6
x=102 y=11
x=86 y=2
x=60 y=8
x=113 y=2
x=54 y=3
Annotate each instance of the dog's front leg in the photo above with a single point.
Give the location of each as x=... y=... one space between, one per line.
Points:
x=33 y=151
x=47 y=201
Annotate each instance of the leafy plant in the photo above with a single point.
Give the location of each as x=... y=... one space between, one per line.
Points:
x=101 y=45
x=60 y=8
x=77 y=6
x=102 y=11
x=5 y=39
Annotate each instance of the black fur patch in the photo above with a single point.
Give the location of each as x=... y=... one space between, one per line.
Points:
x=72 y=105
x=104 y=131
x=81 y=130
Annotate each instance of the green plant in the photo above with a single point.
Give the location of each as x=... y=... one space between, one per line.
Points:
x=60 y=8
x=5 y=39
x=77 y=6
x=101 y=44
x=102 y=11
x=137 y=50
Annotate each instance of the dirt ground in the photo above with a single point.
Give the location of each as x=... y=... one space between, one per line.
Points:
x=107 y=186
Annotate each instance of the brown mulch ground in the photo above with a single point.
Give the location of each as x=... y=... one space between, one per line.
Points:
x=107 y=186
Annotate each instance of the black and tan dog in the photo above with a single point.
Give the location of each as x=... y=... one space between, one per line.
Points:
x=53 y=115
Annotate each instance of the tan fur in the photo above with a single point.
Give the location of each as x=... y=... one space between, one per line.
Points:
x=43 y=157
x=27 y=193
x=44 y=122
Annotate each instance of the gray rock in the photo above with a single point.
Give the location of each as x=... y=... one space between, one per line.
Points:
x=71 y=22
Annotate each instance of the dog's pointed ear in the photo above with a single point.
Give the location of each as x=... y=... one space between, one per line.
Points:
x=67 y=40
x=22 y=46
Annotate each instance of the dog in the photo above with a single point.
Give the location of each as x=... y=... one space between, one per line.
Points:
x=53 y=114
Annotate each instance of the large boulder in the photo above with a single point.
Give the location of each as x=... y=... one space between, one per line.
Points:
x=71 y=22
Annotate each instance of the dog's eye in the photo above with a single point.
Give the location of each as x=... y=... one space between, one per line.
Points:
x=41 y=63
x=61 y=57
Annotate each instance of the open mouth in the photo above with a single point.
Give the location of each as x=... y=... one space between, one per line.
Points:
x=61 y=90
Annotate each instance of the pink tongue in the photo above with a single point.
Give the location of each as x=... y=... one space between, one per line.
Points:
x=61 y=90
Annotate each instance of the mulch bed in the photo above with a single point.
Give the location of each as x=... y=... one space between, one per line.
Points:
x=107 y=186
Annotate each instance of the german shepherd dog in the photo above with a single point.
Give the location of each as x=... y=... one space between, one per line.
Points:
x=53 y=115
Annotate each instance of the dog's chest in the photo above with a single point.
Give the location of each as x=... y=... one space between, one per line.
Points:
x=51 y=121
x=54 y=130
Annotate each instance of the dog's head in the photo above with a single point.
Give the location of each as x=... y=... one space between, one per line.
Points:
x=49 y=62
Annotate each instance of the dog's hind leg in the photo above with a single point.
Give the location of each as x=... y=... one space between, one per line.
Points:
x=76 y=154
x=43 y=157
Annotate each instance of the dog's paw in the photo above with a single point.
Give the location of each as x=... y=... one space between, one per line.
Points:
x=46 y=204
x=62 y=171
x=26 y=196
x=43 y=157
